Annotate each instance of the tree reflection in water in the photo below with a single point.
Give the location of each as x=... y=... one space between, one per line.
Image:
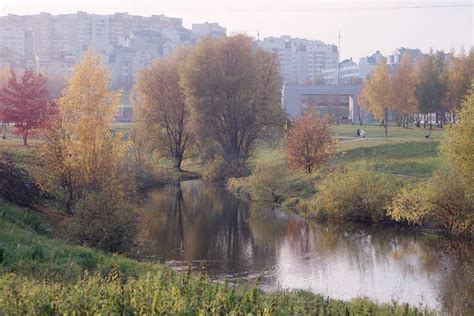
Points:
x=201 y=227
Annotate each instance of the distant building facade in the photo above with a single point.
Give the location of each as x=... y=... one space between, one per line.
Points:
x=127 y=42
x=347 y=72
x=53 y=44
x=367 y=64
x=212 y=29
x=301 y=60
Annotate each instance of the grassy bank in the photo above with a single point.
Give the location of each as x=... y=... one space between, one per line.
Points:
x=406 y=155
x=42 y=275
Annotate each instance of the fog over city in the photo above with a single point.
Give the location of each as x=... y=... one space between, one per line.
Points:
x=366 y=26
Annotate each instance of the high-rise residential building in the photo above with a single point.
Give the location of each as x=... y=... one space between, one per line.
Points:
x=204 y=29
x=347 y=72
x=301 y=60
x=414 y=54
x=367 y=64
x=127 y=43
x=13 y=39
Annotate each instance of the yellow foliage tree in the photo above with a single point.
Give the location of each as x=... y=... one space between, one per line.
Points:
x=458 y=79
x=376 y=94
x=82 y=154
x=87 y=110
x=457 y=146
x=403 y=86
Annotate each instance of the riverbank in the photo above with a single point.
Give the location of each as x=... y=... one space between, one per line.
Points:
x=403 y=159
x=40 y=274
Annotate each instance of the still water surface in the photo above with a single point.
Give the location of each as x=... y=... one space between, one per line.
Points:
x=193 y=226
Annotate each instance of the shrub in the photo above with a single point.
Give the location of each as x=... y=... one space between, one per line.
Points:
x=452 y=202
x=410 y=205
x=357 y=193
x=220 y=170
x=105 y=221
x=444 y=200
x=268 y=181
x=150 y=175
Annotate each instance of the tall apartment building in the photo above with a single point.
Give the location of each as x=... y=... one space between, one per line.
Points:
x=347 y=72
x=367 y=64
x=301 y=60
x=213 y=29
x=414 y=54
x=126 y=42
x=13 y=39
x=77 y=31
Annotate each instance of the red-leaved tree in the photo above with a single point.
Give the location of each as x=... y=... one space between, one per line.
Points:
x=24 y=102
x=309 y=142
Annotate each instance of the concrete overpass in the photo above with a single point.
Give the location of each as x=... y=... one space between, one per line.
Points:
x=338 y=100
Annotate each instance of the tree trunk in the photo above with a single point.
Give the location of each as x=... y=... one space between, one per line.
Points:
x=178 y=159
x=25 y=138
x=385 y=122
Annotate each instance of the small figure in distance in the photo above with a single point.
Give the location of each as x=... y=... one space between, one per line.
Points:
x=358 y=133
x=4 y=136
x=362 y=133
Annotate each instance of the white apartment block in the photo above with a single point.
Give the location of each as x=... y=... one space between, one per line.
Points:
x=127 y=43
x=301 y=60
x=367 y=64
x=414 y=54
x=204 y=29
x=12 y=39
x=346 y=72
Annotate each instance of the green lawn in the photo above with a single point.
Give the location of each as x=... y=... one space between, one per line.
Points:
x=405 y=152
x=376 y=131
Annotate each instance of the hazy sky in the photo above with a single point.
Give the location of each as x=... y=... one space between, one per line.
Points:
x=364 y=28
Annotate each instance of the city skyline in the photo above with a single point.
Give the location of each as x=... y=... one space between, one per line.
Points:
x=386 y=26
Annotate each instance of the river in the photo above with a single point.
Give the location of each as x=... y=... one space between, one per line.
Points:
x=198 y=227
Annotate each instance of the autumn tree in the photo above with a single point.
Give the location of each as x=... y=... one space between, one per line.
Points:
x=24 y=102
x=5 y=74
x=457 y=146
x=162 y=107
x=376 y=94
x=309 y=142
x=430 y=88
x=459 y=73
x=81 y=153
x=234 y=90
x=448 y=197
x=403 y=86
x=55 y=85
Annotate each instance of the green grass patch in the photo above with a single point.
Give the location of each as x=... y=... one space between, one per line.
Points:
x=29 y=250
x=413 y=158
x=376 y=131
